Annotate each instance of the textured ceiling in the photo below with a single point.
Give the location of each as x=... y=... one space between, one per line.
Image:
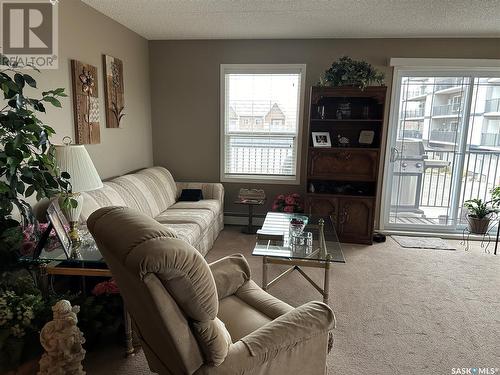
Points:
x=270 y=19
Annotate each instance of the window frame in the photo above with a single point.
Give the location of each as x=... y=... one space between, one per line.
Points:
x=262 y=69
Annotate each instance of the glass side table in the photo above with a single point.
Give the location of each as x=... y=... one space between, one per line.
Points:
x=250 y=228
x=85 y=261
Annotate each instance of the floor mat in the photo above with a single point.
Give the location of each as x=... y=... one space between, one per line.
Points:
x=423 y=243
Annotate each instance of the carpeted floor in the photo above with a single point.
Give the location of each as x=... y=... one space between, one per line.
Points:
x=399 y=311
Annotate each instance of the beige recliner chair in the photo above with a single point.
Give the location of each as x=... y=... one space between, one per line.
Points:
x=196 y=318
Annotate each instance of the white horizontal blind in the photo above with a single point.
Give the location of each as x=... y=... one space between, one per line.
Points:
x=261 y=123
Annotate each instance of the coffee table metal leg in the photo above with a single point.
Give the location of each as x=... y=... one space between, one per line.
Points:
x=326 y=285
x=265 y=266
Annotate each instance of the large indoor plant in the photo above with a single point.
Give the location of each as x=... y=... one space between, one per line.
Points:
x=348 y=72
x=27 y=169
x=27 y=162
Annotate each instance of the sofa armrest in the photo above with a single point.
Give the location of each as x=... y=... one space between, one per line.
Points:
x=295 y=343
x=211 y=190
x=230 y=273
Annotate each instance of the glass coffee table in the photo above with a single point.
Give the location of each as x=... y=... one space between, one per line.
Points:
x=319 y=249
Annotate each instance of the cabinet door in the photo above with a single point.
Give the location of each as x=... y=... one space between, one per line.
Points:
x=345 y=165
x=355 y=219
x=323 y=206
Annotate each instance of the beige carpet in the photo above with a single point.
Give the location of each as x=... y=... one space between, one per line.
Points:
x=399 y=311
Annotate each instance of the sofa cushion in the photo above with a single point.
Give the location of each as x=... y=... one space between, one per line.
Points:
x=188 y=232
x=203 y=218
x=205 y=204
x=161 y=183
x=105 y=196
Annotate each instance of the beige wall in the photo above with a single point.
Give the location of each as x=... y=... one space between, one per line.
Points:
x=85 y=34
x=185 y=90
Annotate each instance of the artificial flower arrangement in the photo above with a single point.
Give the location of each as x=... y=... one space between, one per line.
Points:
x=289 y=203
x=32 y=234
x=22 y=313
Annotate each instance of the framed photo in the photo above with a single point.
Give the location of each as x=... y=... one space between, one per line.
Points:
x=57 y=220
x=366 y=137
x=321 y=139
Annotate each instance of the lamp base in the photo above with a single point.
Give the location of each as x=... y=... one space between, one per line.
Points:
x=74 y=233
x=72 y=213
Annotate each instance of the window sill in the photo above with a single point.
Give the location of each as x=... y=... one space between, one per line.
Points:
x=274 y=180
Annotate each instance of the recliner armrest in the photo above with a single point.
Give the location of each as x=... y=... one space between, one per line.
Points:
x=230 y=273
x=295 y=343
x=304 y=322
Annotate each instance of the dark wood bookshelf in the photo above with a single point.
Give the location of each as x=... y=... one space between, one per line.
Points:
x=342 y=179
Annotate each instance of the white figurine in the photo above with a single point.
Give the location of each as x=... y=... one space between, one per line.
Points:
x=62 y=341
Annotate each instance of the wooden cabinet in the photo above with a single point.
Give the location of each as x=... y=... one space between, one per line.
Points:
x=342 y=179
x=355 y=219
x=343 y=164
x=323 y=206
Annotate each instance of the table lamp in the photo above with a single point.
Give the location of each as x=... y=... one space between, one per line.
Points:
x=75 y=160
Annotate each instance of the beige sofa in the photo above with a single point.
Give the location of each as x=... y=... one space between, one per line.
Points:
x=154 y=192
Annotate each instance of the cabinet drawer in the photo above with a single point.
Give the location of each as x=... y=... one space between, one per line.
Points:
x=346 y=165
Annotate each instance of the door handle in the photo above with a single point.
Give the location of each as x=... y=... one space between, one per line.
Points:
x=394 y=154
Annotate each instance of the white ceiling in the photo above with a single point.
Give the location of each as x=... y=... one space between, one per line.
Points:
x=280 y=19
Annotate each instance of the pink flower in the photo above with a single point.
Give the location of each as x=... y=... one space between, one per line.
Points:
x=288 y=209
x=289 y=200
x=280 y=197
x=106 y=287
x=27 y=248
x=296 y=195
x=275 y=207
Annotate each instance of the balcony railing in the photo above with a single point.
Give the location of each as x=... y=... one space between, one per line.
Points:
x=409 y=133
x=414 y=93
x=412 y=113
x=443 y=136
x=448 y=83
x=480 y=174
x=492 y=105
x=490 y=139
x=446 y=110
x=265 y=155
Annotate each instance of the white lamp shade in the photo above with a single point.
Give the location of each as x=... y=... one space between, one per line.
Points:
x=75 y=160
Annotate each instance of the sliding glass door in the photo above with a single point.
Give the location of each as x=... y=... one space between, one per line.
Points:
x=443 y=148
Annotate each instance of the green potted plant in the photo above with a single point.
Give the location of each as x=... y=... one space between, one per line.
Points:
x=479 y=215
x=27 y=169
x=348 y=72
x=27 y=162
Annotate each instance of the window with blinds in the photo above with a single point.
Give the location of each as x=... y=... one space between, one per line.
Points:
x=261 y=119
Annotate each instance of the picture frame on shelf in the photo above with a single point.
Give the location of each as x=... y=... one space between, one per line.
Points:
x=56 y=219
x=321 y=139
x=366 y=137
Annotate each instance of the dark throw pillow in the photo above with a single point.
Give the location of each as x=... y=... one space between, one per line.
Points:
x=191 y=195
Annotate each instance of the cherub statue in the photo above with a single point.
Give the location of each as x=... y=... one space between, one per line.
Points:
x=62 y=341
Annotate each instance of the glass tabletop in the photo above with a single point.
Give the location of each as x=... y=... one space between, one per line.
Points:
x=274 y=239
x=85 y=252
